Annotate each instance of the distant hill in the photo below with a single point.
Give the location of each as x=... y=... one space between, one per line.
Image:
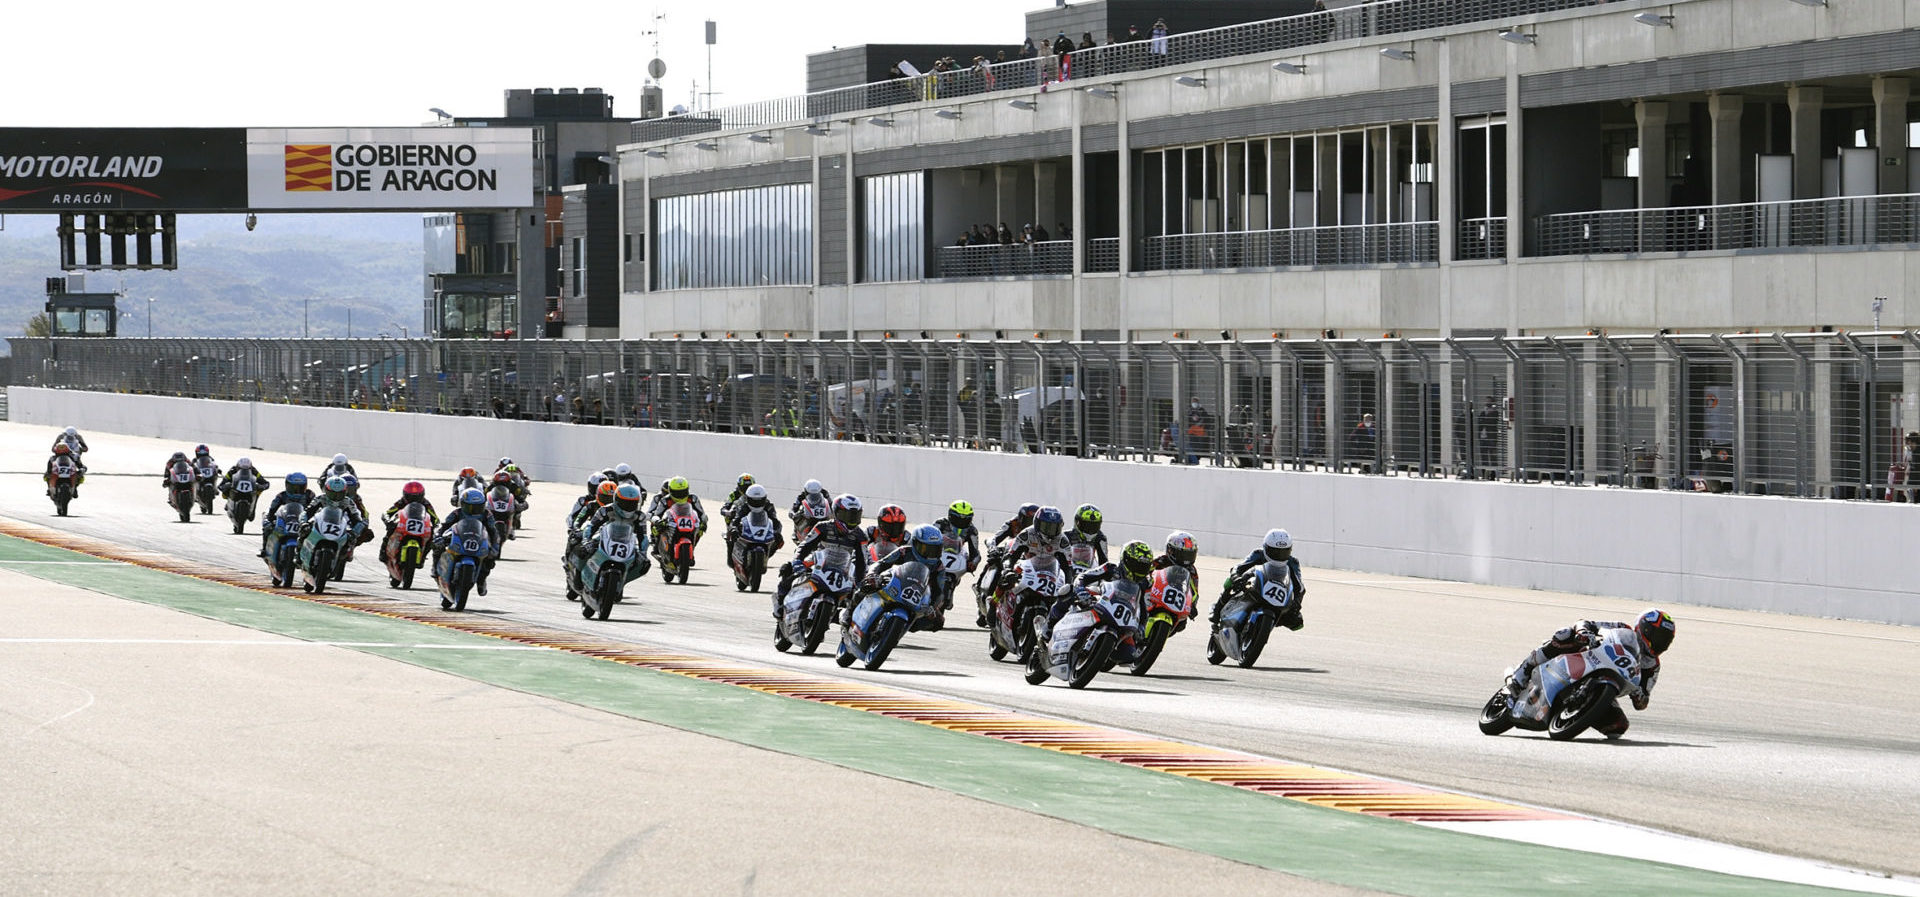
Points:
x=235 y=283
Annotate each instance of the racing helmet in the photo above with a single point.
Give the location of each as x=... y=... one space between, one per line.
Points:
x=744 y=482
x=62 y=449
x=505 y=462
x=1182 y=548
x=199 y=450
x=244 y=463
x=1048 y=522
x=413 y=491
x=960 y=513
x=1278 y=546
x=627 y=497
x=177 y=456
x=336 y=487
x=813 y=487
x=340 y=460
x=679 y=488
x=296 y=480
x=1656 y=629
x=893 y=522
x=927 y=543
x=847 y=510
x=501 y=476
x=473 y=501
x=467 y=473
x=623 y=469
x=1086 y=520
x=1136 y=561
x=756 y=496
x=1026 y=512
x=605 y=493
x=353 y=483
x=594 y=481
x=70 y=432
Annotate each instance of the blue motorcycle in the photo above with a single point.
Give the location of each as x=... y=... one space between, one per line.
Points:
x=458 y=568
x=883 y=616
x=283 y=545
x=1254 y=605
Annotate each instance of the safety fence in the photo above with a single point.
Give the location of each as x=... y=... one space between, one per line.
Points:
x=1835 y=221
x=1815 y=414
x=1362 y=20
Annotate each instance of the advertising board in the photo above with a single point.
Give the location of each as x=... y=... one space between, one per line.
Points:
x=117 y=169
x=425 y=169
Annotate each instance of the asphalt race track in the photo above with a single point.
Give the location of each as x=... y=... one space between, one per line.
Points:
x=1792 y=735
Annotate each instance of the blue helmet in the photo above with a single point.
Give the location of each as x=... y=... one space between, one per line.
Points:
x=353 y=483
x=473 y=501
x=928 y=544
x=296 y=480
x=1048 y=521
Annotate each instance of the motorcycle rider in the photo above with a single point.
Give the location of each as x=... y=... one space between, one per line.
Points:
x=203 y=460
x=467 y=478
x=755 y=498
x=360 y=504
x=63 y=450
x=842 y=528
x=473 y=506
x=1086 y=530
x=334 y=494
x=926 y=545
x=1181 y=551
x=295 y=493
x=958 y=525
x=812 y=491
x=242 y=470
x=73 y=440
x=1045 y=536
x=740 y=487
x=166 y=472
x=660 y=500
x=676 y=491
x=621 y=474
x=625 y=505
x=889 y=531
x=1655 y=629
x=339 y=468
x=410 y=493
x=585 y=504
x=1135 y=565
x=1277 y=546
x=1001 y=542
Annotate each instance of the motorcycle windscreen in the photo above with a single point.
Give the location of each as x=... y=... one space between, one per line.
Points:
x=757 y=527
x=1082 y=554
x=1171 y=588
x=331 y=525
x=243 y=485
x=909 y=584
x=1123 y=603
x=469 y=538
x=413 y=520
x=617 y=541
x=1042 y=575
x=288 y=520
x=1275 y=585
x=182 y=474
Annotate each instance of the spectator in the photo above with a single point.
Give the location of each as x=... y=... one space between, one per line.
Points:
x=1000 y=58
x=1026 y=236
x=1066 y=233
x=1027 y=50
x=1063 y=56
x=1909 y=455
x=963 y=239
x=1365 y=443
x=499 y=407
x=1157 y=44
x=1086 y=41
x=1320 y=26
x=1040 y=234
x=1487 y=429
x=985 y=72
x=1005 y=234
x=1199 y=430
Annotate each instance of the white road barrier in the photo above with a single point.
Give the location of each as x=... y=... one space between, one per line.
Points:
x=1811 y=557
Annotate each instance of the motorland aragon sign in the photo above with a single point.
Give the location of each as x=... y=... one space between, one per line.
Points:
x=121 y=169
x=389 y=168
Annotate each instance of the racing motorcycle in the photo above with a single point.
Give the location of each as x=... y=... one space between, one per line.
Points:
x=501 y=504
x=1567 y=694
x=753 y=543
x=1167 y=605
x=208 y=479
x=240 y=502
x=953 y=559
x=881 y=617
x=600 y=580
x=811 y=512
x=458 y=567
x=1085 y=638
x=1011 y=619
x=810 y=603
x=62 y=483
x=283 y=547
x=406 y=549
x=1082 y=556
x=323 y=549
x=675 y=551
x=1253 y=606
x=180 y=480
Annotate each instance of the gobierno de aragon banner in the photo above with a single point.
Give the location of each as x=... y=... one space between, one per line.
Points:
x=122 y=169
x=389 y=168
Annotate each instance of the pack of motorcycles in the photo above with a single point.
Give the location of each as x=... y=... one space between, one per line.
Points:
x=1117 y=624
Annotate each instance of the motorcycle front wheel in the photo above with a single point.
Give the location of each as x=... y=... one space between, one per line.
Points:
x=1094 y=661
x=1156 y=640
x=1578 y=710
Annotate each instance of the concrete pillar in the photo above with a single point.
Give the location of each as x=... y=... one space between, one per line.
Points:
x=1046 y=180
x=1804 y=105
x=1126 y=193
x=1822 y=400
x=1652 y=115
x=1725 y=109
x=1006 y=197
x=1515 y=176
x=1890 y=133
x=1445 y=209
x=1077 y=215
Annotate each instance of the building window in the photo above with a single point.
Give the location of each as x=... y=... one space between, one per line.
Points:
x=761 y=236
x=893 y=240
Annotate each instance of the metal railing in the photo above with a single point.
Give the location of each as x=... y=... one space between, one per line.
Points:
x=1005 y=260
x=1821 y=414
x=1103 y=255
x=1353 y=244
x=1481 y=238
x=1838 y=221
x=1269 y=36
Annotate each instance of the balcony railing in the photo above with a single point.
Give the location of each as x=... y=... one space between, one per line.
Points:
x=1481 y=238
x=1103 y=255
x=1840 y=221
x=1011 y=260
x=1272 y=35
x=1355 y=244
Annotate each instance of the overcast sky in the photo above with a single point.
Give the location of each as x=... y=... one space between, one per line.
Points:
x=204 y=63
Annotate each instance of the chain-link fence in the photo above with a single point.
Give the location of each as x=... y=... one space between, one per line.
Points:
x=1817 y=414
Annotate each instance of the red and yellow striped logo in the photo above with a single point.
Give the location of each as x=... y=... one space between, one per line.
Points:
x=309 y=167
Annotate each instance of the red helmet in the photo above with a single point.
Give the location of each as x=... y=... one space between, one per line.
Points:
x=503 y=477
x=466 y=472
x=893 y=521
x=62 y=449
x=413 y=490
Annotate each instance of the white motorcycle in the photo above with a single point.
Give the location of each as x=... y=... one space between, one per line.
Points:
x=1567 y=694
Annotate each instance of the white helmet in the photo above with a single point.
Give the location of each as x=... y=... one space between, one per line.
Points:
x=72 y=432
x=813 y=487
x=593 y=482
x=243 y=463
x=1278 y=545
x=622 y=469
x=339 y=459
x=756 y=494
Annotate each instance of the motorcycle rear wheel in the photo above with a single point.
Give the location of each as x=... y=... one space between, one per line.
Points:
x=1578 y=710
x=1497 y=716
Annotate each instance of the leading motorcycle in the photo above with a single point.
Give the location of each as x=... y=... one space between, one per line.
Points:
x=1085 y=638
x=882 y=617
x=323 y=549
x=1567 y=694
x=240 y=502
x=283 y=545
x=458 y=566
x=180 y=480
x=812 y=600
x=62 y=482
x=207 y=477
x=1253 y=605
x=600 y=580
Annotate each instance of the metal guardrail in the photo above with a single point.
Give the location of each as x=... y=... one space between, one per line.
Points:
x=1821 y=414
x=1481 y=238
x=1353 y=244
x=1272 y=35
x=1005 y=260
x=1103 y=255
x=1838 y=221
